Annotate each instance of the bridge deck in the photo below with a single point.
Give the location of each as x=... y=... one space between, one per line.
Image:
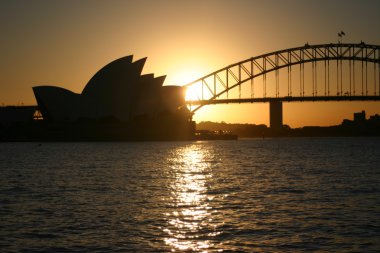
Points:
x=283 y=99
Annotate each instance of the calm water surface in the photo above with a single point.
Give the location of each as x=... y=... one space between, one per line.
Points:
x=258 y=195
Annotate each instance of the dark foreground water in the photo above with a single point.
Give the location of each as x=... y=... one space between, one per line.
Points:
x=260 y=195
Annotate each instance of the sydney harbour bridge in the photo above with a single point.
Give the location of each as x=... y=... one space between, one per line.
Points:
x=325 y=72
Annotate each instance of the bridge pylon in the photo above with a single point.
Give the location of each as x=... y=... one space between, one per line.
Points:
x=275 y=115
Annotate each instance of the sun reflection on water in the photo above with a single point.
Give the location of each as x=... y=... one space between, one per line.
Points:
x=190 y=225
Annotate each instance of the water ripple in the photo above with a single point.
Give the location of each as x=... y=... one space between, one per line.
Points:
x=271 y=195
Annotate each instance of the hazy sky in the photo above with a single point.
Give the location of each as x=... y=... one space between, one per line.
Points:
x=64 y=43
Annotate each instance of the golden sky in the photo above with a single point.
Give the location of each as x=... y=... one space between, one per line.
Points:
x=64 y=43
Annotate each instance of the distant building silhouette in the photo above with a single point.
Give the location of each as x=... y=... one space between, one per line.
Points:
x=375 y=118
x=359 y=116
x=14 y=114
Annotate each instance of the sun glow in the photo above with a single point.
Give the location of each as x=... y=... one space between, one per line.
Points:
x=186 y=76
x=193 y=93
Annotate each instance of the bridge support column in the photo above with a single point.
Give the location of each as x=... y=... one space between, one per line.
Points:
x=275 y=114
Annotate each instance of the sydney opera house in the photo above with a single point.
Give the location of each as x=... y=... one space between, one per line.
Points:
x=118 y=103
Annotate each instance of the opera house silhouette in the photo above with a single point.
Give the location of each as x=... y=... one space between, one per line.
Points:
x=118 y=103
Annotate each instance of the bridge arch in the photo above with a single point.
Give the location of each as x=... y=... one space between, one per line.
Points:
x=220 y=82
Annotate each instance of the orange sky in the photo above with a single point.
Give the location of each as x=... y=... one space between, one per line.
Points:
x=64 y=43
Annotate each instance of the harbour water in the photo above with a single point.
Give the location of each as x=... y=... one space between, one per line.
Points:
x=254 y=195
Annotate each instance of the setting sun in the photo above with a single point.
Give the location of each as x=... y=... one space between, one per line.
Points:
x=186 y=76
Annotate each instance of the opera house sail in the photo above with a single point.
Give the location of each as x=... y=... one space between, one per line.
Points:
x=118 y=103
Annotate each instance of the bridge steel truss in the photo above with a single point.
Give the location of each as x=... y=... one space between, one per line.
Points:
x=219 y=83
